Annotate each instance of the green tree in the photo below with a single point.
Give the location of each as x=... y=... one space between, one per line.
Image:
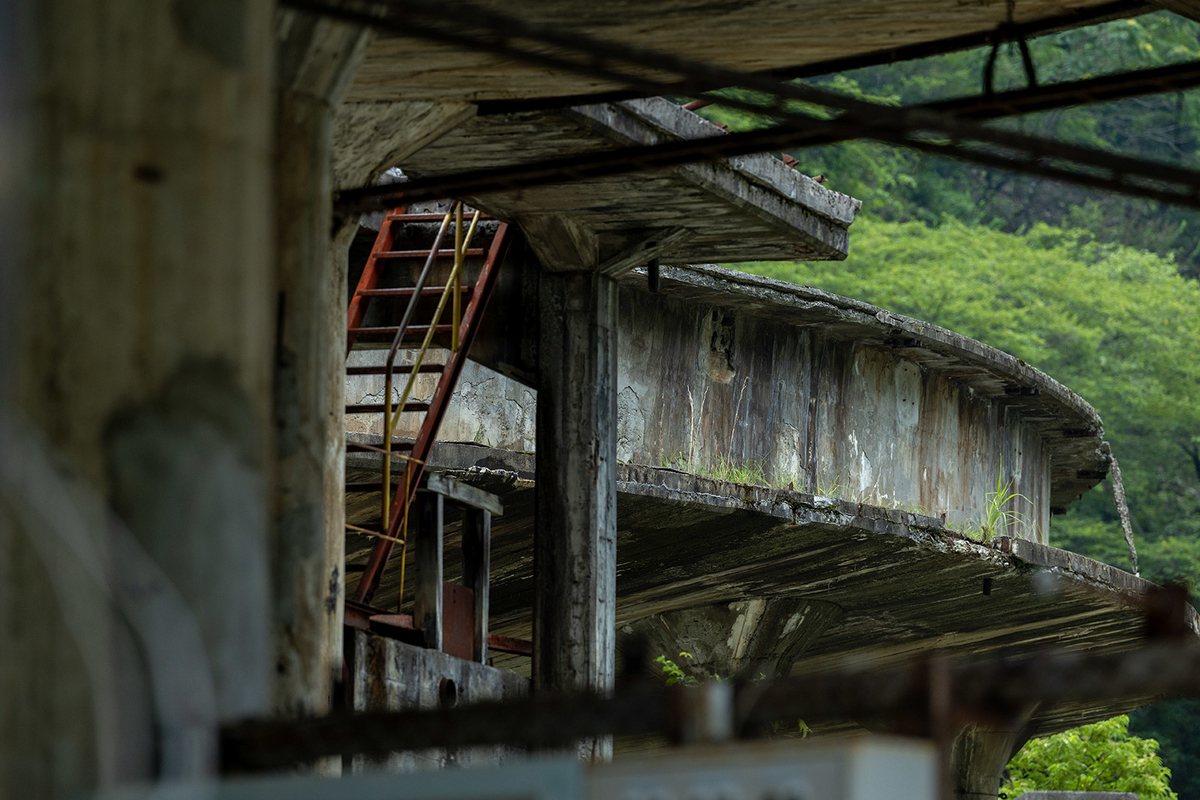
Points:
x=1118 y=325
x=1102 y=757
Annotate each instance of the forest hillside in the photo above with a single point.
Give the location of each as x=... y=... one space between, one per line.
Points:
x=1098 y=290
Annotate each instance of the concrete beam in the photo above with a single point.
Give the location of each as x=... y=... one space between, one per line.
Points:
x=371 y=137
x=637 y=249
x=316 y=59
x=561 y=243
x=575 y=542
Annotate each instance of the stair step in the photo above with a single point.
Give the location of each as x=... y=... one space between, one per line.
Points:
x=360 y=447
x=399 y=369
x=428 y=291
x=471 y=252
x=413 y=332
x=377 y=408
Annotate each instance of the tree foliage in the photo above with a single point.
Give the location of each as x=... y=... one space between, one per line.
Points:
x=1084 y=284
x=902 y=185
x=1102 y=757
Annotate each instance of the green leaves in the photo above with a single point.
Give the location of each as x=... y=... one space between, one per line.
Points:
x=1094 y=758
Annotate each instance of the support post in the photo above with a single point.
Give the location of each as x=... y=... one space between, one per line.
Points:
x=427 y=601
x=143 y=372
x=575 y=540
x=315 y=60
x=979 y=756
x=477 y=556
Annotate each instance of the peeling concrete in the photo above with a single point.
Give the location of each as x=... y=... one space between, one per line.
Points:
x=821 y=393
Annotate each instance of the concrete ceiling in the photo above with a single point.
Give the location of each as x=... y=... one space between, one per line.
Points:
x=740 y=209
x=742 y=35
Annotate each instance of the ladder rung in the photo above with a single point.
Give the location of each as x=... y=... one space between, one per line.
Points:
x=427 y=217
x=399 y=369
x=428 y=291
x=414 y=331
x=371 y=448
x=373 y=408
x=470 y=253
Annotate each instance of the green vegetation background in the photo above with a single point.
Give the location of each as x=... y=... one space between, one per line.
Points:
x=1097 y=290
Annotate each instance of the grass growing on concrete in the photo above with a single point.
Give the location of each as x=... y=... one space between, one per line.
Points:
x=996 y=517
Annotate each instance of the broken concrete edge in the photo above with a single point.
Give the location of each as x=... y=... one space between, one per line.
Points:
x=476 y=463
x=654 y=119
x=1058 y=408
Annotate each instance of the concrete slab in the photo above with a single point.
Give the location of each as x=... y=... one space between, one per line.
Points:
x=907 y=585
x=747 y=208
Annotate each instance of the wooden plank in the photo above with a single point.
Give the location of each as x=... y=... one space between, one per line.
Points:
x=464 y=493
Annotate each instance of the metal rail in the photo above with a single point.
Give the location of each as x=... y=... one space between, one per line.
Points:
x=391 y=412
x=914 y=697
x=890 y=55
x=920 y=129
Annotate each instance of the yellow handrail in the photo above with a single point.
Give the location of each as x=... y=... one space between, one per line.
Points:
x=390 y=420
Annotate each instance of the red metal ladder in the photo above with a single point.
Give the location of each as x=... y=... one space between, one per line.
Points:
x=419 y=330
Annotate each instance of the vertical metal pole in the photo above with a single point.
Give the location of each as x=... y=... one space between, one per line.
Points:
x=427 y=604
x=477 y=548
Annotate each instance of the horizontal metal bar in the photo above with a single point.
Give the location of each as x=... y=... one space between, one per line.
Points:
x=372 y=408
x=974 y=691
x=431 y=291
x=889 y=55
x=491 y=32
x=414 y=331
x=506 y=644
x=401 y=369
x=669 y=154
x=1106 y=88
x=475 y=251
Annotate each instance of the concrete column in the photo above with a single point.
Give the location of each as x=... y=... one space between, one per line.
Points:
x=575 y=547
x=316 y=59
x=979 y=756
x=742 y=639
x=143 y=371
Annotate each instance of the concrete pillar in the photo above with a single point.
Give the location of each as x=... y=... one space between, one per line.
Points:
x=743 y=639
x=979 y=756
x=575 y=547
x=316 y=59
x=143 y=370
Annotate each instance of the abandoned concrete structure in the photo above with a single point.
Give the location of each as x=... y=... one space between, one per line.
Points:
x=187 y=539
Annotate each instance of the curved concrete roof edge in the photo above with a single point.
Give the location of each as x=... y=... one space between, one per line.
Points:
x=1071 y=429
x=969 y=350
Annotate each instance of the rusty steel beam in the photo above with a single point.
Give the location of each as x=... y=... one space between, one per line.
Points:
x=907 y=696
x=889 y=55
x=1034 y=156
x=1106 y=88
x=916 y=128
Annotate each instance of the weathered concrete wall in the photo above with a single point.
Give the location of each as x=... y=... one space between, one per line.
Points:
x=719 y=376
x=390 y=675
